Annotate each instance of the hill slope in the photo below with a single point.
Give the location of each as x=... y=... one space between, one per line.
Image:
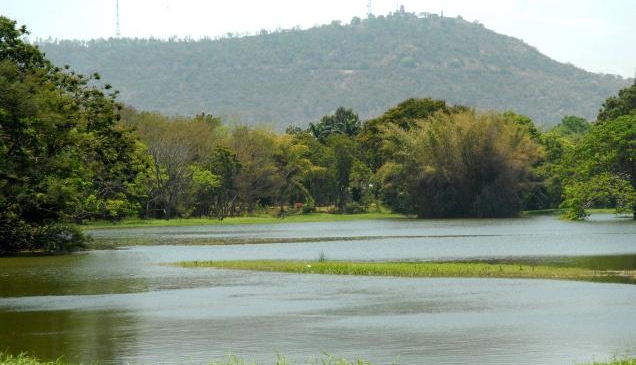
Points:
x=295 y=77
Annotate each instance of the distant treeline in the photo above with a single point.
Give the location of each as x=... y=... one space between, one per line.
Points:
x=70 y=153
x=297 y=76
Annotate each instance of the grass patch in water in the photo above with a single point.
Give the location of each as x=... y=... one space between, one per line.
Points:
x=262 y=219
x=419 y=269
x=116 y=242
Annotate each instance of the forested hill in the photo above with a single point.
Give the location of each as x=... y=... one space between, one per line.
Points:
x=297 y=76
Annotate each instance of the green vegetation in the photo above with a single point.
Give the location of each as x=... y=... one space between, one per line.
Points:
x=615 y=362
x=70 y=155
x=601 y=169
x=462 y=164
x=257 y=219
x=22 y=359
x=296 y=76
x=63 y=156
x=419 y=269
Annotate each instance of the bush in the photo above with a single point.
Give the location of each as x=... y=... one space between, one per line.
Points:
x=354 y=208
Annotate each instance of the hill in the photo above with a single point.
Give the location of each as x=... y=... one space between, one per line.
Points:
x=297 y=76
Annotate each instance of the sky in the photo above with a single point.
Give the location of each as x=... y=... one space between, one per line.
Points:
x=596 y=35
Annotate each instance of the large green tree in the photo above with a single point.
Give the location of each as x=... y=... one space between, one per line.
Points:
x=173 y=145
x=405 y=116
x=462 y=164
x=601 y=168
x=616 y=106
x=63 y=156
x=342 y=122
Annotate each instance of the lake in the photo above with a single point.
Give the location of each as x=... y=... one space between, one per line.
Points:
x=118 y=306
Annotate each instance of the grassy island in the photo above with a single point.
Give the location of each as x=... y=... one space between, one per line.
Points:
x=422 y=269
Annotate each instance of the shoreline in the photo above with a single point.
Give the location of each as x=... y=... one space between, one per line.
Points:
x=302 y=218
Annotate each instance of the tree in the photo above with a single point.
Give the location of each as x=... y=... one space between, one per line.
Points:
x=174 y=145
x=204 y=191
x=602 y=168
x=556 y=144
x=463 y=164
x=345 y=152
x=572 y=126
x=319 y=180
x=226 y=166
x=255 y=183
x=63 y=156
x=342 y=122
x=614 y=107
x=405 y=116
x=292 y=167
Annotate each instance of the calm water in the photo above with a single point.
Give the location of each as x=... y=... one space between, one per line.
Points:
x=122 y=306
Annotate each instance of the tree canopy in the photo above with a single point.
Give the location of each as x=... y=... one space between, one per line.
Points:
x=601 y=168
x=62 y=154
x=464 y=164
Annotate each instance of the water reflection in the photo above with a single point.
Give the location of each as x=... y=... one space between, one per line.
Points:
x=75 y=335
x=120 y=306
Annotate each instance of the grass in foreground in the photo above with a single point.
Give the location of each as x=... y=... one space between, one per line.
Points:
x=22 y=359
x=6 y=359
x=421 y=269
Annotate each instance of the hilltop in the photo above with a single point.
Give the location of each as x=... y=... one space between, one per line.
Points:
x=297 y=76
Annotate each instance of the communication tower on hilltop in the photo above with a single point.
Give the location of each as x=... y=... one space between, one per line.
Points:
x=117 y=33
x=369 y=10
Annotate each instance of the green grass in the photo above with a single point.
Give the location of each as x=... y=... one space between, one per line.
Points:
x=614 y=362
x=561 y=212
x=421 y=269
x=6 y=359
x=262 y=219
x=269 y=219
x=22 y=359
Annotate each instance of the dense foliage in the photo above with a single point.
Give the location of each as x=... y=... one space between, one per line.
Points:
x=62 y=155
x=601 y=169
x=297 y=76
x=462 y=164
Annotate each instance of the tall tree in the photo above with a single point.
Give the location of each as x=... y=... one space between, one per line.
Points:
x=60 y=147
x=405 y=115
x=293 y=166
x=458 y=165
x=226 y=166
x=343 y=122
x=615 y=106
x=255 y=149
x=601 y=168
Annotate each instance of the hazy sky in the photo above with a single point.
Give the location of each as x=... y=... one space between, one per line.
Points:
x=597 y=35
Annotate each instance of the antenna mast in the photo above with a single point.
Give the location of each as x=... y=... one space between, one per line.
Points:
x=117 y=30
x=369 y=12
